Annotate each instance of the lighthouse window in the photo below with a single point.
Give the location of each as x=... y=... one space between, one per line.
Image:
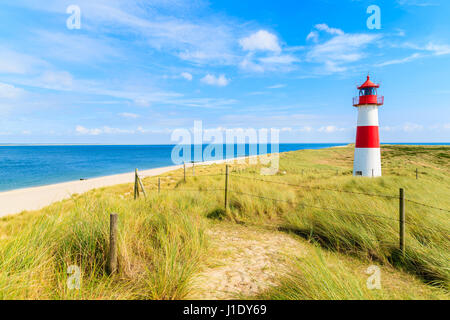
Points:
x=368 y=92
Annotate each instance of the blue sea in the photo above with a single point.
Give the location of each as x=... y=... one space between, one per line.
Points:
x=34 y=165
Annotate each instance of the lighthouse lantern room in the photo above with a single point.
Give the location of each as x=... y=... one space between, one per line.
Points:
x=367 y=162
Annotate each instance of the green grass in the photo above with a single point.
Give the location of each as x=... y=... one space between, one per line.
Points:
x=160 y=245
x=326 y=276
x=163 y=242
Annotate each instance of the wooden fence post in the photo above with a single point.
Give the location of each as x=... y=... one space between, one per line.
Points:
x=193 y=168
x=159 y=185
x=142 y=187
x=402 y=220
x=136 y=190
x=112 y=256
x=417 y=173
x=226 y=187
x=184 y=167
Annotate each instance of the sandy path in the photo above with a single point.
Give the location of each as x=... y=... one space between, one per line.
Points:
x=35 y=198
x=245 y=261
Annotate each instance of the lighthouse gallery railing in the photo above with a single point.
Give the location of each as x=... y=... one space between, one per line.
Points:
x=379 y=100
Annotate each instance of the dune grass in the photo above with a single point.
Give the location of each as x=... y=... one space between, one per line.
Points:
x=328 y=276
x=163 y=241
x=160 y=245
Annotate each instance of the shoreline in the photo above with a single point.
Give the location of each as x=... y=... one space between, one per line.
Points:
x=35 y=198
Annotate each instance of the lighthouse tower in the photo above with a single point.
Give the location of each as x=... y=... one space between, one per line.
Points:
x=367 y=162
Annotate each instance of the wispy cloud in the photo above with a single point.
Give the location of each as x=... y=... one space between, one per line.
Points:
x=417 y=3
x=277 y=86
x=327 y=29
x=13 y=62
x=341 y=50
x=187 y=76
x=8 y=91
x=261 y=40
x=129 y=115
x=265 y=53
x=103 y=130
x=410 y=58
x=424 y=51
x=220 y=81
x=331 y=129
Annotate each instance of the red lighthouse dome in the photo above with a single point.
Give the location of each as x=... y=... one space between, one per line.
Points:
x=368 y=94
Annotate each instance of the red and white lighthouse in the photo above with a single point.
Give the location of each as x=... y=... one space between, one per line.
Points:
x=367 y=162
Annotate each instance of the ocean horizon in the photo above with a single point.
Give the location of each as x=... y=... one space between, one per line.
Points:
x=32 y=165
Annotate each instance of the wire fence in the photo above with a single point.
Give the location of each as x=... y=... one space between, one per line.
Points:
x=299 y=186
x=401 y=220
x=316 y=187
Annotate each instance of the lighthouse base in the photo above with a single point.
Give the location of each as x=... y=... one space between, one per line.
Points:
x=367 y=162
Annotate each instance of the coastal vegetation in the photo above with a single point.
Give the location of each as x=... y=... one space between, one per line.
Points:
x=311 y=231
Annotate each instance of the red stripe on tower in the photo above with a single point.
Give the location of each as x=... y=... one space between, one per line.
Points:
x=367 y=137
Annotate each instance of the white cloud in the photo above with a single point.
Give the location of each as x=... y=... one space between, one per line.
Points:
x=417 y=3
x=209 y=103
x=212 y=80
x=142 y=102
x=9 y=91
x=327 y=29
x=74 y=47
x=406 y=127
x=187 y=76
x=410 y=58
x=85 y=131
x=103 y=130
x=249 y=65
x=412 y=127
x=313 y=35
x=277 y=86
x=59 y=80
x=305 y=129
x=129 y=115
x=166 y=26
x=340 y=50
x=430 y=49
x=400 y=33
x=330 y=129
x=281 y=59
x=262 y=41
x=438 y=49
x=277 y=62
x=13 y=62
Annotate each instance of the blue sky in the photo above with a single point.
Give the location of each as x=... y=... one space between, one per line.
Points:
x=137 y=70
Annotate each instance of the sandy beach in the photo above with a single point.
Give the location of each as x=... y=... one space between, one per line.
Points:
x=35 y=198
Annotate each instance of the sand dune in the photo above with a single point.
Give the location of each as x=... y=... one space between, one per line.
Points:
x=35 y=198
